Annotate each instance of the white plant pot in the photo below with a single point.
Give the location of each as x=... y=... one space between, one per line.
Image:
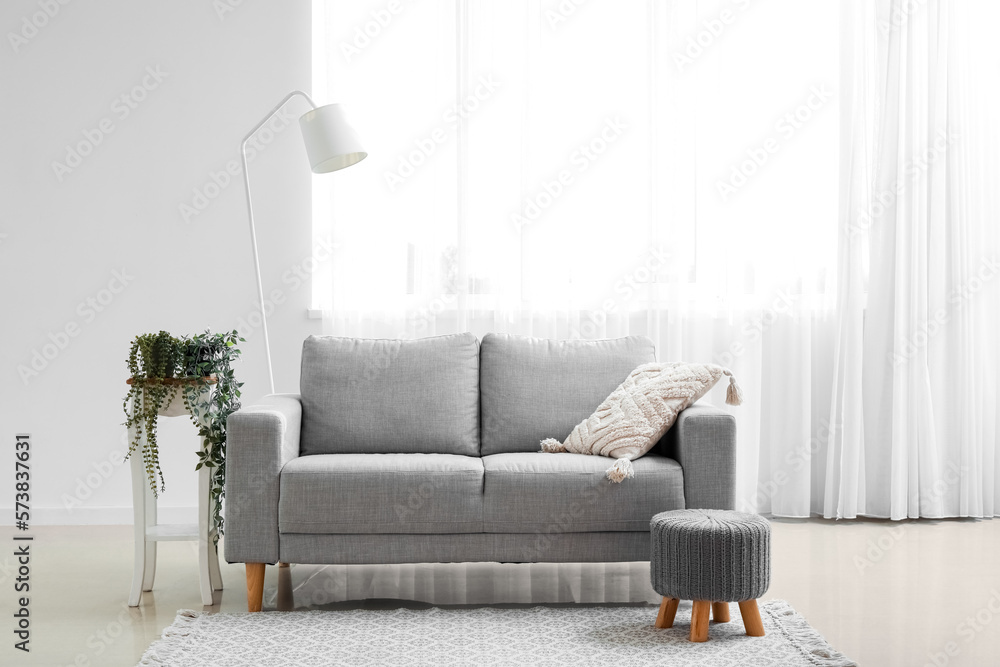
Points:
x=175 y=408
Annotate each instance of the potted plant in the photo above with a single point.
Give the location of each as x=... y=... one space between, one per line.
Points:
x=152 y=361
x=211 y=355
x=171 y=377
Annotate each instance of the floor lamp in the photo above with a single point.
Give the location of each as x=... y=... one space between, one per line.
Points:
x=331 y=144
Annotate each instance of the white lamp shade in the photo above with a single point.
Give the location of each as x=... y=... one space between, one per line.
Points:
x=331 y=142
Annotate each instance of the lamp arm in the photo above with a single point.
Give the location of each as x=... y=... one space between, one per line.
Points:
x=253 y=229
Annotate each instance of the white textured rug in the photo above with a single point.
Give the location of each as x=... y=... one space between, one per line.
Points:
x=486 y=636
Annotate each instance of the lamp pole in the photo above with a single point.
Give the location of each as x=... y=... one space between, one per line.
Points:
x=331 y=144
x=253 y=229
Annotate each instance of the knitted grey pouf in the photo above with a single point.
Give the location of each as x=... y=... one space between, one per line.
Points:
x=710 y=556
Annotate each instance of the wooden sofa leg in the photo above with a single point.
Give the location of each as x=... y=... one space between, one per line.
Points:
x=255 y=586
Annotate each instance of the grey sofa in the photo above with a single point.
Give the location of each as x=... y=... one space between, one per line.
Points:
x=402 y=451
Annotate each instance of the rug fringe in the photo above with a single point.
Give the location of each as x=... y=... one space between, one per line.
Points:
x=162 y=653
x=806 y=637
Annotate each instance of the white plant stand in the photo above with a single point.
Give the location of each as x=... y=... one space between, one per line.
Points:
x=148 y=532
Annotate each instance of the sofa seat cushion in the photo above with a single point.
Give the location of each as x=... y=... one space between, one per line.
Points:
x=381 y=493
x=362 y=396
x=535 y=492
x=533 y=388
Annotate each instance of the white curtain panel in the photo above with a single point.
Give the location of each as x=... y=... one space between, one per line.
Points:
x=686 y=171
x=916 y=392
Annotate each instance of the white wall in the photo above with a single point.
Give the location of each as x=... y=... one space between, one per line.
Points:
x=64 y=235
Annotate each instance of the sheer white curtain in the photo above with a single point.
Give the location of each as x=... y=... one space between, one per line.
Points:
x=916 y=395
x=682 y=170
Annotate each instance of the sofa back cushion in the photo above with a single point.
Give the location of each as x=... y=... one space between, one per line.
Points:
x=533 y=388
x=390 y=396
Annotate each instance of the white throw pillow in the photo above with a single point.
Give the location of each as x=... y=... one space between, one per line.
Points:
x=637 y=414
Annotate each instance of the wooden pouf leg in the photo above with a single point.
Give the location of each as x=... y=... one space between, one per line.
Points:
x=699 y=620
x=668 y=609
x=720 y=612
x=751 y=618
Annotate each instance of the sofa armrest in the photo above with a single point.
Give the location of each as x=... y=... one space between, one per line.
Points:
x=260 y=440
x=703 y=441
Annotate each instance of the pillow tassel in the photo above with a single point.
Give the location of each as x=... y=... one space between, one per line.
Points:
x=622 y=469
x=552 y=446
x=734 y=395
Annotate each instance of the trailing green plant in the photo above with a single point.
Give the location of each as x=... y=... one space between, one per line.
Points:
x=152 y=359
x=159 y=354
x=213 y=354
x=201 y=368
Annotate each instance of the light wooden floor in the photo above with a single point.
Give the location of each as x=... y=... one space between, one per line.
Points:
x=884 y=594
